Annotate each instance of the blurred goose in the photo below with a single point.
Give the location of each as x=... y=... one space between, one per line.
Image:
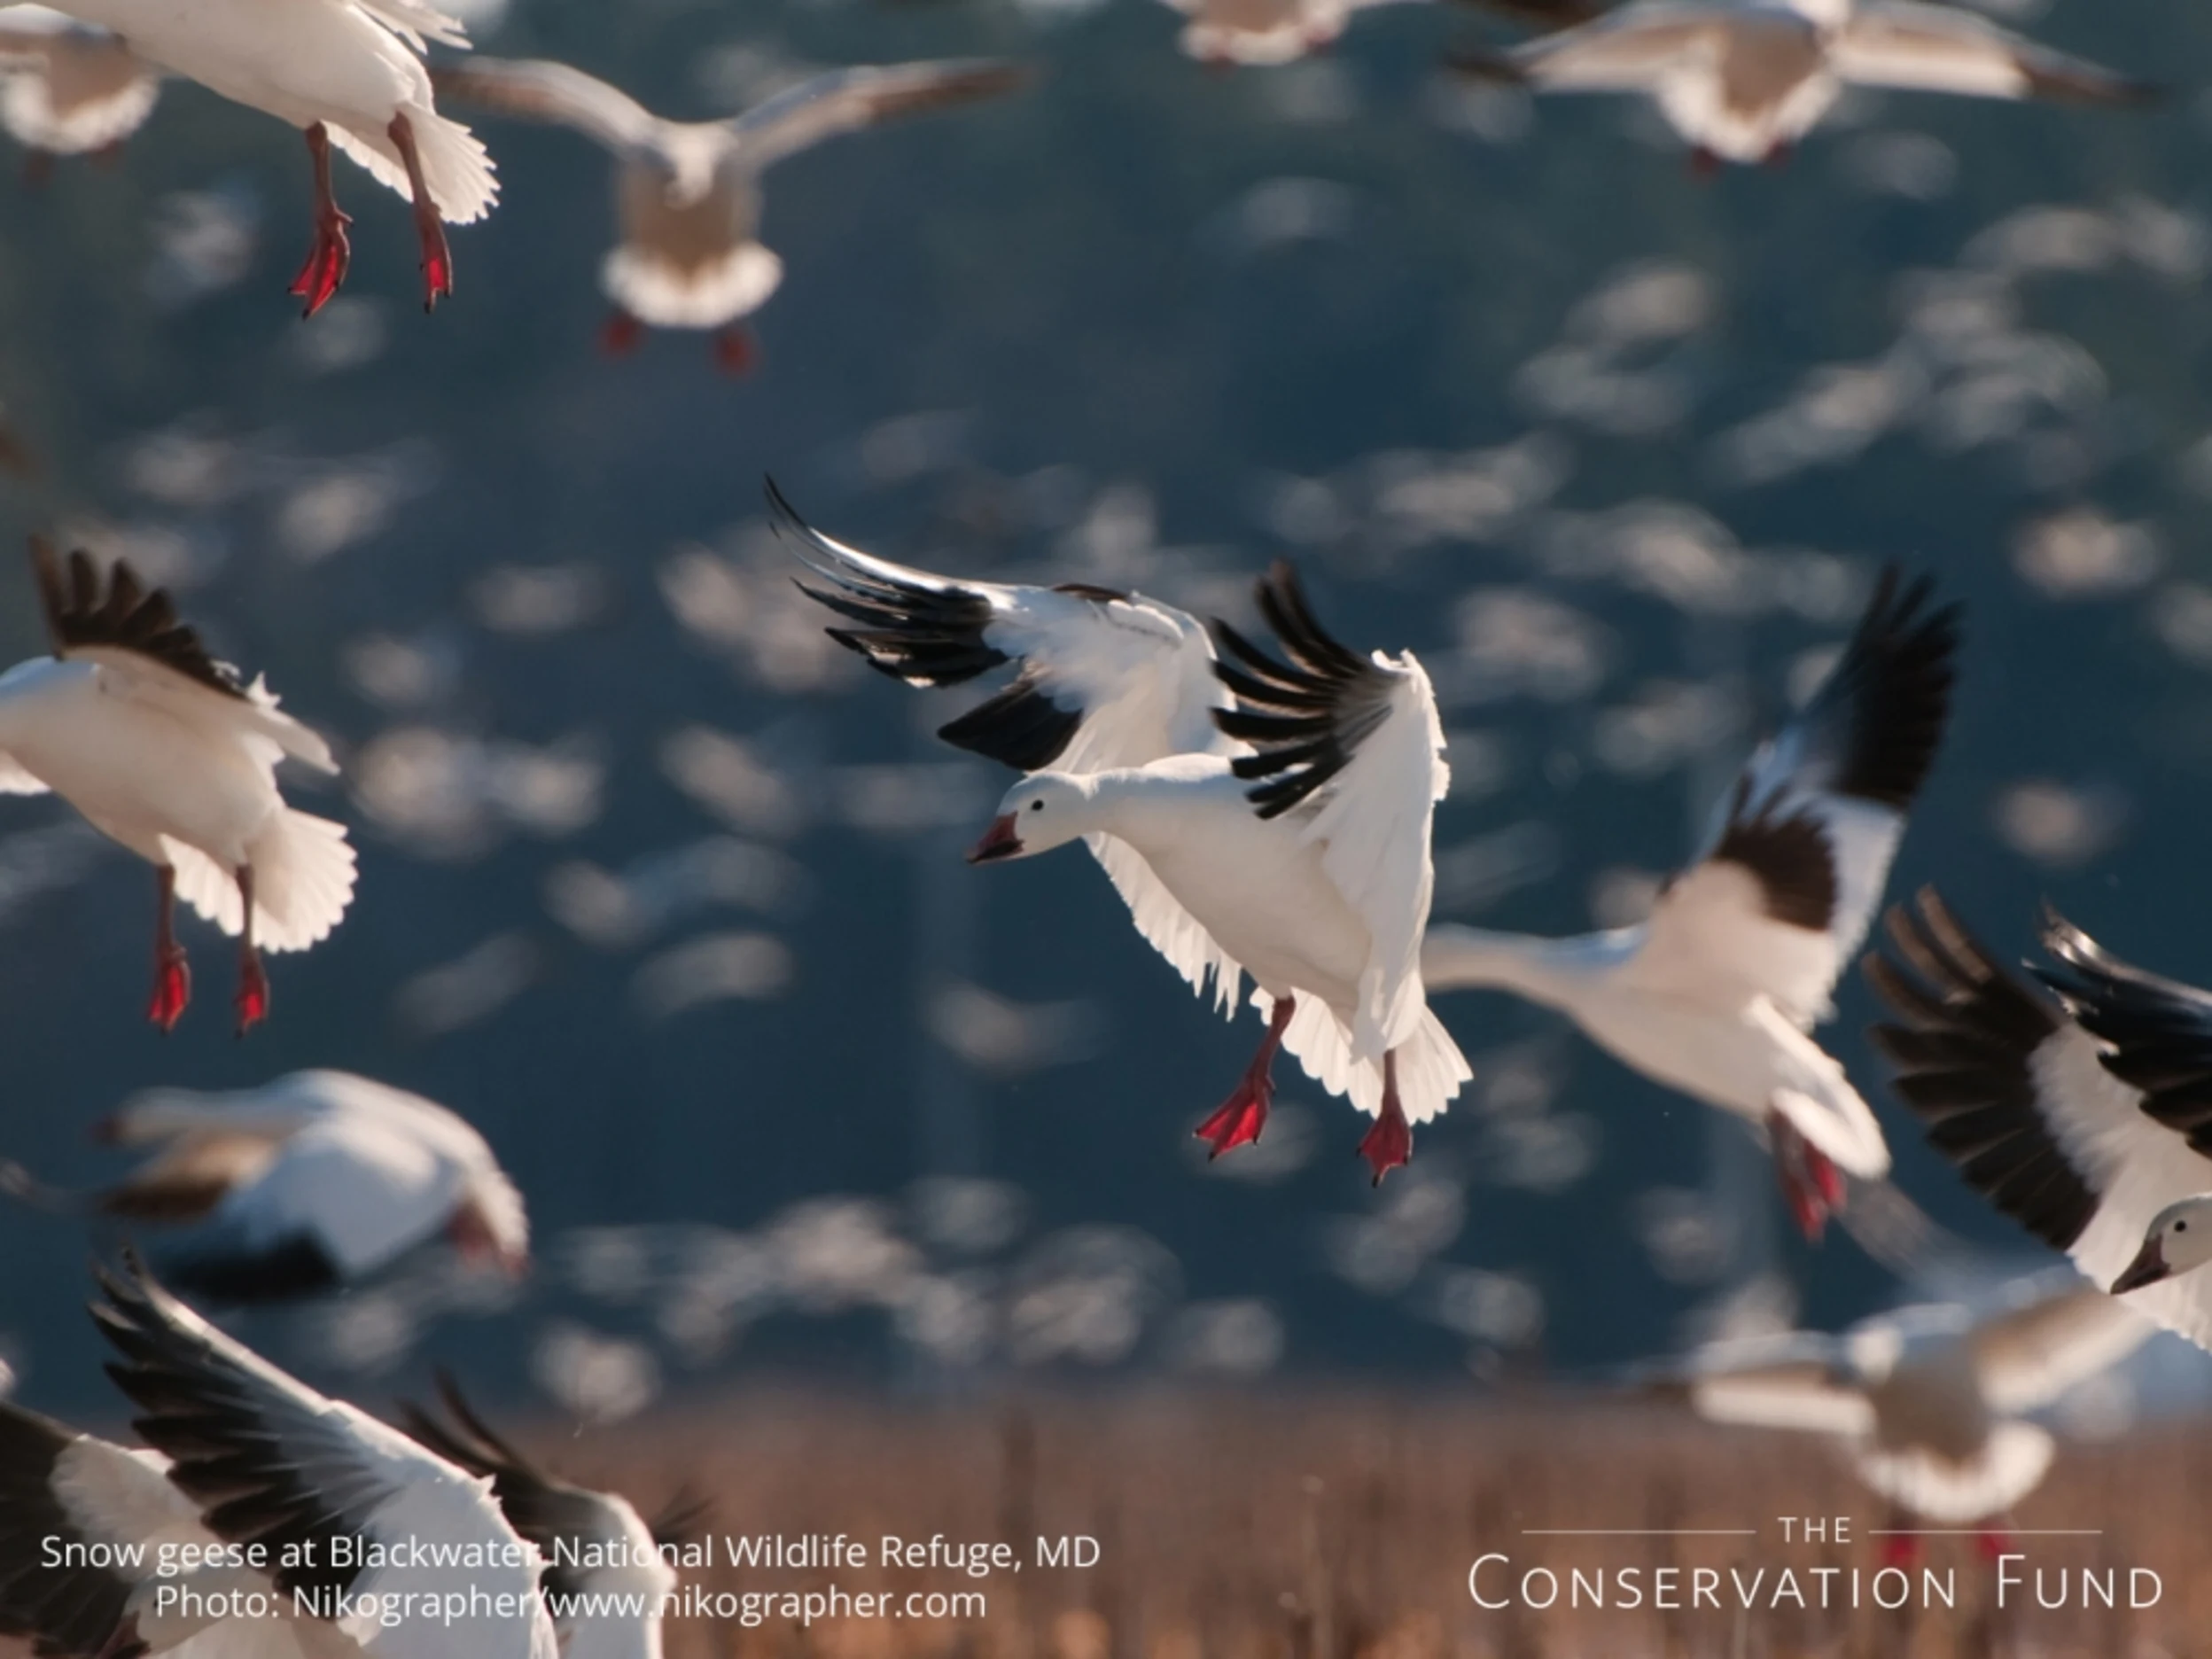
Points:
x=2080 y=1114
x=67 y=89
x=600 y=1554
x=688 y=193
x=347 y=73
x=1262 y=33
x=1934 y=1428
x=1716 y=992
x=1743 y=79
x=1256 y=815
x=317 y=1180
x=170 y=752
x=75 y=1496
x=272 y=1461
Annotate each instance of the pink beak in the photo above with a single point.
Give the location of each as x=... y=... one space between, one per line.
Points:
x=1000 y=840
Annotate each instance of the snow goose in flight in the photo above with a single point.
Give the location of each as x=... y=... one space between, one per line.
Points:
x=602 y=1559
x=2080 y=1113
x=317 y=1180
x=1714 y=994
x=1935 y=1426
x=173 y=754
x=688 y=193
x=1256 y=815
x=1743 y=79
x=347 y=73
x=270 y=1462
x=68 y=89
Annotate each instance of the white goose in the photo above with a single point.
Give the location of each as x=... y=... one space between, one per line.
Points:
x=335 y=1500
x=1743 y=79
x=310 y=1183
x=1935 y=1427
x=1255 y=815
x=2080 y=1114
x=602 y=1558
x=68 y=89
x=1714 y=994
x=688 y=193
x=169 y=752
x=347 y=73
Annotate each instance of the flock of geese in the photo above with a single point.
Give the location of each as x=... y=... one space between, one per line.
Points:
x=1263 y=807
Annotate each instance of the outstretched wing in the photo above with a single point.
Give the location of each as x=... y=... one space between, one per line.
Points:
x=61 y=1491
x=1105 y=680
x=132 y=633
x=1353 y=745
x=1630 y=50
x=2015 y=1091
x=846 y=100
x=1944 y=49
x=273 y=1461
x=1804 y=1396
x=2028 y=1357
x=537 y=89
x=1783 y=896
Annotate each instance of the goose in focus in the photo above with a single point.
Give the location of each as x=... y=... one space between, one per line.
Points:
x=1716 y=992
x=271 y=1462
x=67 y=89
x=83 y=1525
x=1935 y=1427
x=688 y=193
x=348 y=73
x=602 y=1559
x=1256 y=815
x=313 y=1182
x=1743 y=79
x=2076 y=1106
x=173 y=754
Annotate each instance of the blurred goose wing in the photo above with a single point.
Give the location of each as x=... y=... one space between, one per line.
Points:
x=2029 y=1356
x=541 y=90
x=846 y=100
x=1943 y=48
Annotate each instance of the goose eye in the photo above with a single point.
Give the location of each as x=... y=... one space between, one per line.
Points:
x=2181 y=1226
x=1036 y=805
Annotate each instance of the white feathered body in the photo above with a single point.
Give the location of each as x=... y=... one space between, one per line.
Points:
x=186 y=777
x=1263 y=891
x=690 y=211
x=352 y=66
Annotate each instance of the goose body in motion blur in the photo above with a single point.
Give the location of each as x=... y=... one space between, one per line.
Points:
x=173 y=754
x=349 y=74
x=370 y=1543
x=2076 y=1107
x=688 y=193
x=1743 y=79
x=67 y=89
x=1262 y=33
x=1937 y=1426
x=1716 y=992
x=1256 y=815
x=311 y=1183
